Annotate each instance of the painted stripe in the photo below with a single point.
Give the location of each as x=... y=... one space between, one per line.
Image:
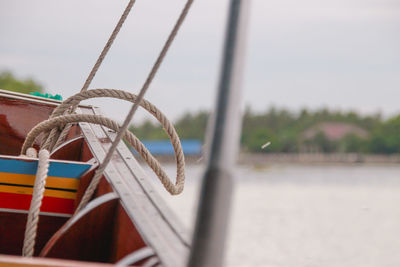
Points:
x=29 y=166
x=25 y=179
x=30 y=186
x=29 y=191
x=53 y=214
x=49 y=204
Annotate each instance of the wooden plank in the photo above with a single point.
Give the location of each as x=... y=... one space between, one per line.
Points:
x=31 y=98
x=21 y=202
x=14 y=127
x=15 y=261
x=121 y=245
x=57 y=168
x=139 y=174
x=17 y=176
x=69 y=150
x=12 y=230
x=150 y=222
x=88 y=235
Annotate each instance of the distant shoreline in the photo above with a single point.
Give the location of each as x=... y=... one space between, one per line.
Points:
x=259 y=159
x=305 y=158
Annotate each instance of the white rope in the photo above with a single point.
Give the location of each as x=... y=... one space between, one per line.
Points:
x=58 y=119
x=36 y=203
x=124 y=127
x=31 y=152
x=142 y=92
x=61 y=133
x=33 y=215
x=131 y=138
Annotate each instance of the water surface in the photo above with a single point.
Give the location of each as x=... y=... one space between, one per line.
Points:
x=307 y=215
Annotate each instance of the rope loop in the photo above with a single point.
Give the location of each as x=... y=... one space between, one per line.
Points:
x=130 y=137
x=60 y=119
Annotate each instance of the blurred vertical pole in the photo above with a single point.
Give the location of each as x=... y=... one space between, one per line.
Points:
x=215 y=198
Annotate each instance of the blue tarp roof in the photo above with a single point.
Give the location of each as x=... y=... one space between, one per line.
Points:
x=164 y=147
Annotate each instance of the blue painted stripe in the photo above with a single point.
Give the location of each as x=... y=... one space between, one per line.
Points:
x=29 y=166
x=164 y=147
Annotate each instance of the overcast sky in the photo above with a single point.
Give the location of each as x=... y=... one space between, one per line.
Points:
x=340 y=54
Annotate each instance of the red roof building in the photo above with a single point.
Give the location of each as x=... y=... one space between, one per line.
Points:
x=335 y=130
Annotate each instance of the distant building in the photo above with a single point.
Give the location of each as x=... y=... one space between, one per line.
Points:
x=313 y=142
x=164 y=147
x=334 y=130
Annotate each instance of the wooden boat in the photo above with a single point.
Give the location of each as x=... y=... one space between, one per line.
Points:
x=126 y=222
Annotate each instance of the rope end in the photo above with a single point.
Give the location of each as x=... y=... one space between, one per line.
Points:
x=31 y=152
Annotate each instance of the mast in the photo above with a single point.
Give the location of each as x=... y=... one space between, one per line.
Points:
x=214 y=206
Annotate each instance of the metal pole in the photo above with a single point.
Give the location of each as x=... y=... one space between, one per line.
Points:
x=213 y=212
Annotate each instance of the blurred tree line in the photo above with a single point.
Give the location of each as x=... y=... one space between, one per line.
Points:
x=285 y=130
x=9 y=82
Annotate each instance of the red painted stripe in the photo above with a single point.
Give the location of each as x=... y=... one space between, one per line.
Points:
x=49 y=204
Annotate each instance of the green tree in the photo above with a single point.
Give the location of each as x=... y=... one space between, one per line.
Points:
x=9 y=82
x=258 y=137
x=188 y=126
x=323 y=143
x=285 y=130
x=192 y=126
x=353 y=143
x=148 y=130
x=386 y=139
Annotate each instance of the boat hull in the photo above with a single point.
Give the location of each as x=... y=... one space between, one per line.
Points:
x=126 y=219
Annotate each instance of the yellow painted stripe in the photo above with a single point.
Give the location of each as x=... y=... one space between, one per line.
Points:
x=27 y=179
x=28 y=191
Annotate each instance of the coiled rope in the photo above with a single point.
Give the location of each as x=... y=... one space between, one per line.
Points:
x=121 y=131
x=59 y=121
x=130 y=137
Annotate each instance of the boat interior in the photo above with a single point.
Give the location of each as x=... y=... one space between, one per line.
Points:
x=109 y=228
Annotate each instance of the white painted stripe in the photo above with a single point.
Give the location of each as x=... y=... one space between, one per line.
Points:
x=41 y=213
